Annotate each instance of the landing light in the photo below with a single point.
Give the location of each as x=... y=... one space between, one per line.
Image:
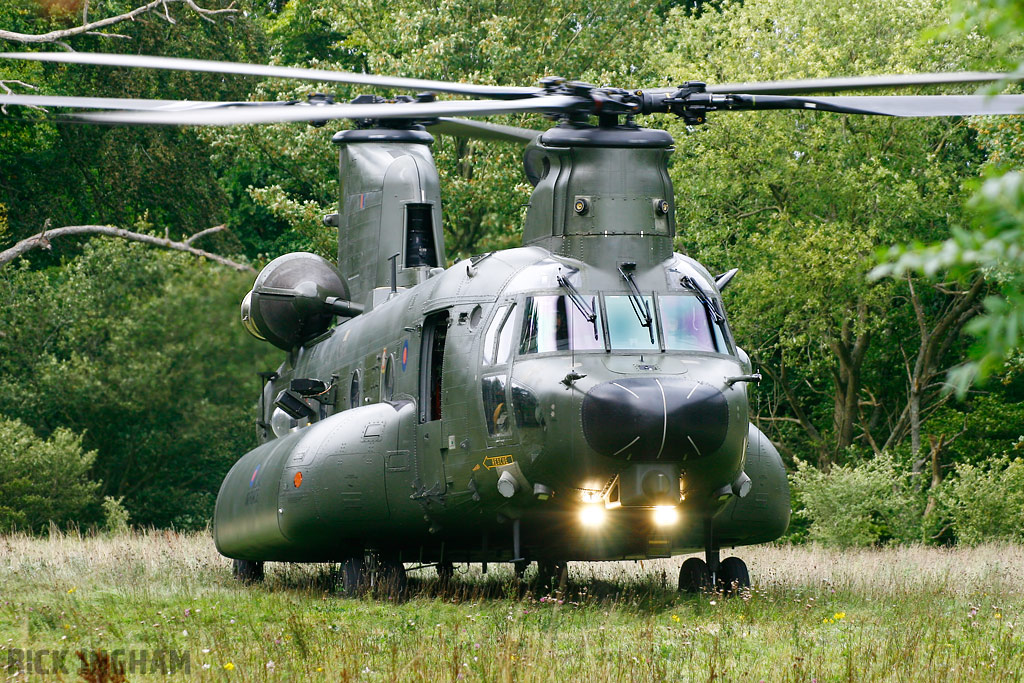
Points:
x=665 y=515
x=591 y=496
x=592 y=515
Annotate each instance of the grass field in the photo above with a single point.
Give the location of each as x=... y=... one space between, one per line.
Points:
x=903 y=614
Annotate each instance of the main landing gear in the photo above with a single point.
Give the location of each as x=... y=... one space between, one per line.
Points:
x=383 y=576
x=729 y=575
x=247 y=571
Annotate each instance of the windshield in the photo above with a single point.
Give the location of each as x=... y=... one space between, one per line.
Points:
x=685 y=325
x=553 y=323
x=624 y=328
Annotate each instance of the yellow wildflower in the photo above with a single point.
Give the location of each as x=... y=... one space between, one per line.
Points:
x=229 y=666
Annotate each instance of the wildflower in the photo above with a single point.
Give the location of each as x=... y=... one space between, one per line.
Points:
x=232 y=621
x=206 y=666
x=713 y=602
x=188 y=612
x=271 y=665
x=838 y=616
x=998 y=615
x=229 y=666
x=675 y=617
x=184 y=632
x=72 y=590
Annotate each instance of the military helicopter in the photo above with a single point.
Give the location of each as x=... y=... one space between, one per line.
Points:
x=579 y=398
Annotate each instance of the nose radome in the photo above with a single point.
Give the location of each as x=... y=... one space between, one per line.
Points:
x=646 y=418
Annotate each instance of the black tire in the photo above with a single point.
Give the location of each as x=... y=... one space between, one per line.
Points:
x=520 y=569
x=733 y=575
x=694 y=576
x=247 y=571
x=390 y=579
x=353 y=580
x=552 y=574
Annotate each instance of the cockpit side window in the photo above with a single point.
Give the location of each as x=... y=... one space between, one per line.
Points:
x=491 y=336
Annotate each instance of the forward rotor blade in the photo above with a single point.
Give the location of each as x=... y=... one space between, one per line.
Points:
x=232 y=116
x=898 y=105
x=322 y=75
x=481 y=130
x=813 y=85
x=810 y=85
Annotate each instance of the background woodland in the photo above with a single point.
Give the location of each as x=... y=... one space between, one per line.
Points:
x=876 y=255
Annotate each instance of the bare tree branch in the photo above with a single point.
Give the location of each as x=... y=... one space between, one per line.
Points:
x=42 y=241
x=92 y=27
x=203 y=233
x=7 y=90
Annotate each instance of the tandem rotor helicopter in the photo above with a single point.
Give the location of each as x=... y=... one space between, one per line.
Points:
x=579 y=398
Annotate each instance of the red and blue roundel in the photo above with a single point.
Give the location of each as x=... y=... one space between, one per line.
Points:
x=252 y=480
x=405 y=354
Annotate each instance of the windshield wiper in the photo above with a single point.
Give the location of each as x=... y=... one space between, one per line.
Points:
x=577 y=300
x=710 y=306
x=640 y=307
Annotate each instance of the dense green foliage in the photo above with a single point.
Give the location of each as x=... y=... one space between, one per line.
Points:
x=139 y=354
x=42 y=481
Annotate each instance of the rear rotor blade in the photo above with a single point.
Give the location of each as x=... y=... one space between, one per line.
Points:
x=111 y=102
x=481 y=130
x=229 y=116
x=321 y=75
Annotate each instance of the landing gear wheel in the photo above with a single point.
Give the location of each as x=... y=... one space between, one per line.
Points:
x=354 y=578
x=247 y=571
x=520 y=568
x=390 y=579
x=553 y=574
x=733 y=574
x=445 y=571
x=694 y=576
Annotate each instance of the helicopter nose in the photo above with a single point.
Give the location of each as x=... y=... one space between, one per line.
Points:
x=662 y=418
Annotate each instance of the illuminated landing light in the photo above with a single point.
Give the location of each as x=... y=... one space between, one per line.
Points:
x=592 y=515
x=591 y=496
x=665 y=515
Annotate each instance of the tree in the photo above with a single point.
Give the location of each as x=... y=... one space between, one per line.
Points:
x=991 y=240
x=800 y=201
x=43 y=482
x=283 y=178
x=139 y=351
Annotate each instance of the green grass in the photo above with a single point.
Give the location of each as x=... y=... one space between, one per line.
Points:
x=902 y=614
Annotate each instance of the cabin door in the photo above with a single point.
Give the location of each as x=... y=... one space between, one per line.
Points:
x=432 y=439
